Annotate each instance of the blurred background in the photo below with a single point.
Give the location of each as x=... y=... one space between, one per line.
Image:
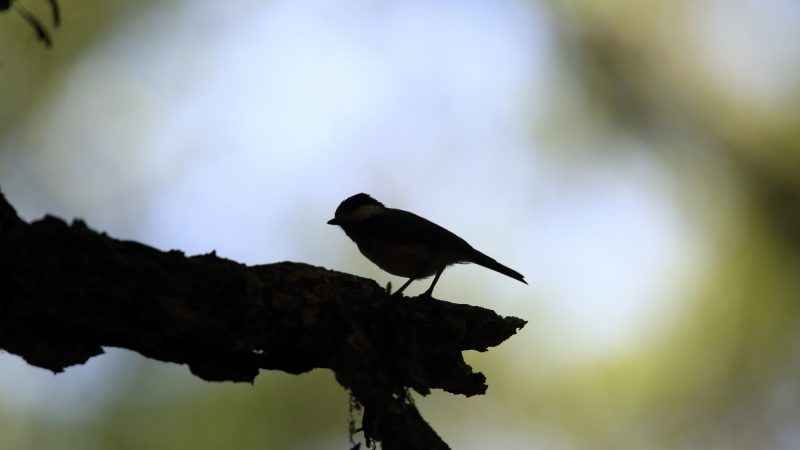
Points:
x=637 y=161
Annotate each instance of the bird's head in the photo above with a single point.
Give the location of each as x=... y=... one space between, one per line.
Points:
x=356 y=209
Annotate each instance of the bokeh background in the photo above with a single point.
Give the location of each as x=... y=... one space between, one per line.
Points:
x=637 y=161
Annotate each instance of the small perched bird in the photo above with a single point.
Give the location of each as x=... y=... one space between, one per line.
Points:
x=405 y=244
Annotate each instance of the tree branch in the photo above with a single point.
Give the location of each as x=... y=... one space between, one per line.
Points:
x=67 y=291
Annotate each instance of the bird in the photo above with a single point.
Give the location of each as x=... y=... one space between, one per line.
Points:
x=405 y=244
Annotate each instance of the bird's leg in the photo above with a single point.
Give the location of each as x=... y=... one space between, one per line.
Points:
x=397 y=292
x=429 y=292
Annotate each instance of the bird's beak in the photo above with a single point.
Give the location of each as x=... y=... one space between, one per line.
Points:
x=333 y=222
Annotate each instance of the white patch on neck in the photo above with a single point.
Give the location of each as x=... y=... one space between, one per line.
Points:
x=363 y=212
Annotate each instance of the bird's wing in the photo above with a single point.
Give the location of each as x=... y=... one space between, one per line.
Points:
x=403 y=227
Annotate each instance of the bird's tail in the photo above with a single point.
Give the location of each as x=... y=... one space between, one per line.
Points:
x=485 y=261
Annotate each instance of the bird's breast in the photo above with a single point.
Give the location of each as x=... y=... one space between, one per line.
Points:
x=405 y=260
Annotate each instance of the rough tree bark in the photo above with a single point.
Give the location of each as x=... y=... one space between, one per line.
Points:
x=67 y=291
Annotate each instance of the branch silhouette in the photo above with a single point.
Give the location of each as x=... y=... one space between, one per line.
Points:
x=67 y=291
